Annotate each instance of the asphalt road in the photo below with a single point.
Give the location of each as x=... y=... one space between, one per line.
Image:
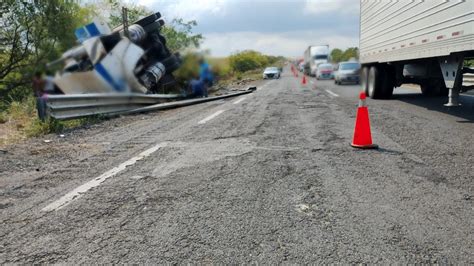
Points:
x=268 y=177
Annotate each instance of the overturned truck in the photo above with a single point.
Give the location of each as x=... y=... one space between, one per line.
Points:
x=130 y=58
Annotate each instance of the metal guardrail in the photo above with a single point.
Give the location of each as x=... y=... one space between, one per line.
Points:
x=63 y=107
x=81 y=105
x=468 y=80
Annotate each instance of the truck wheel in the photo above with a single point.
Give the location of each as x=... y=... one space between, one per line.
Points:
x=374 y=82
x=364 y=75
x=388 y=82
x=380 y=82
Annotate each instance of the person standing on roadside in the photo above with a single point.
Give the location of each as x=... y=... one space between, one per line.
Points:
x=205 y=75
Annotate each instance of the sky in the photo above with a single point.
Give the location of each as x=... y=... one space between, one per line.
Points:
x=274 y=27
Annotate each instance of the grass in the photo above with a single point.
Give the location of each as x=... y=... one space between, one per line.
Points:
x=20 y=121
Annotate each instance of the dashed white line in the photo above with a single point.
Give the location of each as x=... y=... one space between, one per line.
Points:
x=82 y=189
x=239 y=100
x=332 y=93
x=211 y=117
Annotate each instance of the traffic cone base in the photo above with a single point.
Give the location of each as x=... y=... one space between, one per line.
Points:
x=362 y=135
x=368 y=147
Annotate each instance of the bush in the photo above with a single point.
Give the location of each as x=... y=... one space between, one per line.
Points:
x=220 y=67
x=247 y=60
x=189 y=68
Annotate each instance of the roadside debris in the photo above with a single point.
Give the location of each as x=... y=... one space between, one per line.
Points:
x=47 y=141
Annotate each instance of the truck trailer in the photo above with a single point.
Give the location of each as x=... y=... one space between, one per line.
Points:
x=416 y=41
x=313 y=56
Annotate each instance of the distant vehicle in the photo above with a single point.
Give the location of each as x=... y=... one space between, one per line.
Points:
x=271 y=73
x=347 y=72
x=325 y=71
x=301 y=66
x=313 y=56
x=425 y=45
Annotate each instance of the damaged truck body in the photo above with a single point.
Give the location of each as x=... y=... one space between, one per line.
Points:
x=126 y=59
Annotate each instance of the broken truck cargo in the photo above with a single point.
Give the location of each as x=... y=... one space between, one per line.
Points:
x=63 y=107
x=128 y=59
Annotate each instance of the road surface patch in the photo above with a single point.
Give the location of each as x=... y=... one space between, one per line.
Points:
x=207 y=119
x=81 y=190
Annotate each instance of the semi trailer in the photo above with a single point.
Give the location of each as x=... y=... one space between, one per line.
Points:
x=313 y=56
x=416 y=41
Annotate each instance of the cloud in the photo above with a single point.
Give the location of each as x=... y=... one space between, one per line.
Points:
x=330 y=6
x=187 y=9
x=279 y=27
x=290 y=44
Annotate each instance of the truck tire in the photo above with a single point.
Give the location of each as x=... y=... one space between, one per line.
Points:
x=152 y=27
x=364 y=75
x=146 y=20
x=380 y=82
x=389 y=81
x=374 y=82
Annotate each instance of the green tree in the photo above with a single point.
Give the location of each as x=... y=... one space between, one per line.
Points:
x=179 y=35
x=247 y=60
x=114 y=9
x=336 y=55
x=349 y=53
x=31 y=34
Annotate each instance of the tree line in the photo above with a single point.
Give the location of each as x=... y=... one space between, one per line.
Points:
x=338 y=55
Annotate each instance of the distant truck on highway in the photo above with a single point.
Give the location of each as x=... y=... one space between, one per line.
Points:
x=313 y=56
x=421 y=42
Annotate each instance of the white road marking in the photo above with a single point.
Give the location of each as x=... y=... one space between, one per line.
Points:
x=312 y=82
x=211 y=117
x=82 y=189
x=239 y=100
x=332 y=93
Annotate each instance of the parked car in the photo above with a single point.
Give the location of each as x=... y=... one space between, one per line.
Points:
x=325 y=71
x=347 y=72
x=271 y=73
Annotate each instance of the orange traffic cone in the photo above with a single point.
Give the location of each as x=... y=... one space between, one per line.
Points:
x=303 y=81
x=362 y=136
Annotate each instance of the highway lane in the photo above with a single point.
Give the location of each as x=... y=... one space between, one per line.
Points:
x=267 y=177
